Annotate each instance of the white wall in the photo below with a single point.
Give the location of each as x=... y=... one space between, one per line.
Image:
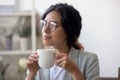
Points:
x=7 y=2
x=100 y=32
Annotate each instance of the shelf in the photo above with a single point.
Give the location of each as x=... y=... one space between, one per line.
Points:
x=16 y=14
x=32 y=14
x=15 y=52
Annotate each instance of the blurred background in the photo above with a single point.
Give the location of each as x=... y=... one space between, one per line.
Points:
x=20 y=33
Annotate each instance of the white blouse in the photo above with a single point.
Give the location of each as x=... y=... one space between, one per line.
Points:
x=56 y=73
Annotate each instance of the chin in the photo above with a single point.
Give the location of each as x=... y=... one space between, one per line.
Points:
x=47 y=44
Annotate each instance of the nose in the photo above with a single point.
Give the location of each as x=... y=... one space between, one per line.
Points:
x=46 y=28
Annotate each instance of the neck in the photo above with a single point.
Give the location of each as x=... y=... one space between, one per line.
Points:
x=63 y=49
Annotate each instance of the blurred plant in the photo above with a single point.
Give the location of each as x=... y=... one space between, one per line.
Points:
x=24 y=31
x=3 y=68
x=22 y=64
x=7 y=32
x=22 y=67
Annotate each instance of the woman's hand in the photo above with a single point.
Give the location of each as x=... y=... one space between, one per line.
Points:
x=63 y=60
x=32 y=63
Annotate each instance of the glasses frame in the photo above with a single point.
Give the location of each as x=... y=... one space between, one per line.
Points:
x=52 y=25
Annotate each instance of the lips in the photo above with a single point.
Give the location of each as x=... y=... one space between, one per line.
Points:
x=46 y=37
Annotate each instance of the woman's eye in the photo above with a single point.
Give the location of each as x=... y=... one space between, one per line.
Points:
x=42 y=23
x=52 y=24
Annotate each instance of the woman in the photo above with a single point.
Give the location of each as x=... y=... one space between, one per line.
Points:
x=61 y=26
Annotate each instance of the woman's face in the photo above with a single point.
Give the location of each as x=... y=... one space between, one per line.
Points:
x=56 y=37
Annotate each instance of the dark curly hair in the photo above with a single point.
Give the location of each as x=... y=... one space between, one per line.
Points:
x=71 y=22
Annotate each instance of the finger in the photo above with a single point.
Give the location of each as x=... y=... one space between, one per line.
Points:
x=34 y=55
x=29 y=62
x=33 y=58
x=60 y=55
x=63 y=64
x=60 y=60
x=56 y=51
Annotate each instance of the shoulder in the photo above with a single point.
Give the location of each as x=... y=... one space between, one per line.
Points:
x=87 y=62
x=84 y=56
x=88 y=59
x=88 y=55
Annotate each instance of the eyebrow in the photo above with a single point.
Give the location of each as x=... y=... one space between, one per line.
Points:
x=53 y=21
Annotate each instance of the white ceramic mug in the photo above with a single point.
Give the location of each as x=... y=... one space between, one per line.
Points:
x=46 y=57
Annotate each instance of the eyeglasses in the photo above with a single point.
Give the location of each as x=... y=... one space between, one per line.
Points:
x=52 y=25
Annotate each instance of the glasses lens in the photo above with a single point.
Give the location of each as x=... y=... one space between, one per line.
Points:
x=52 y=26
x=42 y=23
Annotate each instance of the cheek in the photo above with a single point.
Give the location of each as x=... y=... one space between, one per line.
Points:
x=60 y=37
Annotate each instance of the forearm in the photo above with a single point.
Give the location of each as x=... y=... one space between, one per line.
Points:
x=77 y=75
x=30 y=76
